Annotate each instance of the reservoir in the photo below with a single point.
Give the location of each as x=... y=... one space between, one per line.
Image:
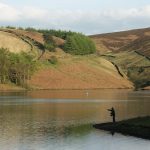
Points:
x=63 y=119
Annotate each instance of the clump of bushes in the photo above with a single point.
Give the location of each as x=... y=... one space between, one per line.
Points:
x=30 y=29
x=79 y=44
x=53 y=60
x=15 y=68
x=10 y=27
x=49 y=43
x=139 y=76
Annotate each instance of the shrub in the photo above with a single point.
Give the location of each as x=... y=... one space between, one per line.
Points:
x=10 y=27
x=30 y=29
x=49 y=43
x=4 y=65
x=20 y=28
x=16 y=68
x=50 y=47
x=53 y=60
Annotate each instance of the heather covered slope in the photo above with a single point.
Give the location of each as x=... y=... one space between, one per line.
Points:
x=130 y=51
x=133 y=40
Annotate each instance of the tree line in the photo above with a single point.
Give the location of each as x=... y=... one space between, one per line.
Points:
x=76 y=43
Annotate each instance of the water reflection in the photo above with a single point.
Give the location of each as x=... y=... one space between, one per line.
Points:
x=61 y=120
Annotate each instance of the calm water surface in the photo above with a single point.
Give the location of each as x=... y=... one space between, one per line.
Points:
x=62 y=120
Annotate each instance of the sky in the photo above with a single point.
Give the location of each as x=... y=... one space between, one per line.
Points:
x=86 y=16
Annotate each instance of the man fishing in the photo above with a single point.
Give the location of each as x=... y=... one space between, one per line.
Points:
x=112 y=113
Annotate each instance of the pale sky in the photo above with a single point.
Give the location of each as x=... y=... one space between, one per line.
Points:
x=86 y=16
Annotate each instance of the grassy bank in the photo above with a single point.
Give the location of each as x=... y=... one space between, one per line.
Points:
x=10 y=87
x=138 y=127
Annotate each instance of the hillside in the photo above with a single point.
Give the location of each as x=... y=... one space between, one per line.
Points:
x=79 y=72
x=129 y=50
x=137 y=40
x=18 y=41
x=13 y=43
x=58 y=69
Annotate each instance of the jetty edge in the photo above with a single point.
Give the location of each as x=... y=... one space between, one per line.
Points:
x=138 y=127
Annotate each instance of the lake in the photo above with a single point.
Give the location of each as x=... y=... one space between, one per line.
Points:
x=62 y=119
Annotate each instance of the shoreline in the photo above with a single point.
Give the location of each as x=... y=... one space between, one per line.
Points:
x=137 y=127
x=17 y=88
x=13 y=87
x=10 y=87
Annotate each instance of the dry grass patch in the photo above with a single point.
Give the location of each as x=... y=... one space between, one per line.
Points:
x=90 y=72
x=14 y=44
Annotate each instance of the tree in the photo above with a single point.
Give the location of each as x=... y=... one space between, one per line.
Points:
x=4 y=65
x=16 y=68
x=22 y=67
